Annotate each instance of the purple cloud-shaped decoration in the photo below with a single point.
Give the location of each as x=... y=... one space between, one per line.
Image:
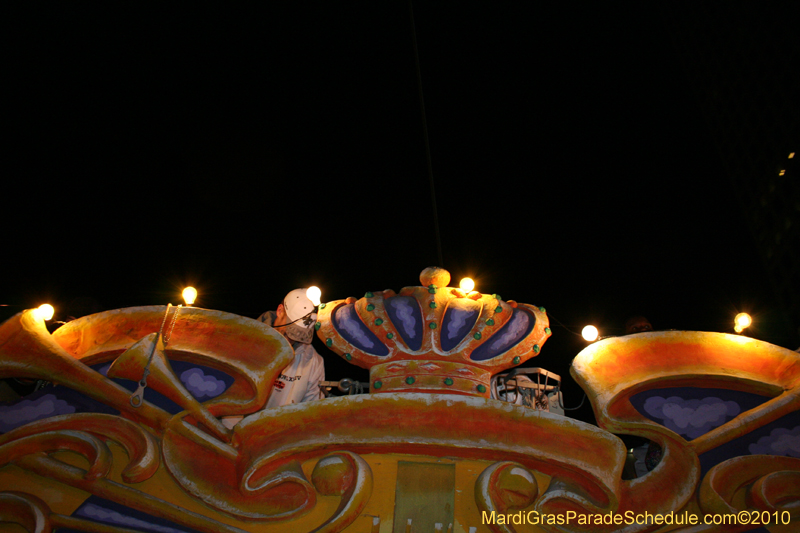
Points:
x=691 y=418
x=515 y=330
x=780 y=441
x=107 y=516
x=25 y=411
x=404 y=308
x=201 y=385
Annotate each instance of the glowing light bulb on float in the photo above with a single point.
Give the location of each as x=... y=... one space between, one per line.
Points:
x=44 y=312
x=314 y=294
x=467 y=285
x=590 y=333
x=741 y=322
x=189 y=295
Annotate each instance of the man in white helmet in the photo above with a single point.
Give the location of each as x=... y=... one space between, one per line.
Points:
x=298 y=382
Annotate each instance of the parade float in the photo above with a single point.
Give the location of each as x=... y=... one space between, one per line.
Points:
x=129 y=436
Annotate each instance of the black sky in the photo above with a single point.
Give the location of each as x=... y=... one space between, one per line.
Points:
x=251 y=151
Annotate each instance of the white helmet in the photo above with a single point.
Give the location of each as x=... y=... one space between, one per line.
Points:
x=301 y=314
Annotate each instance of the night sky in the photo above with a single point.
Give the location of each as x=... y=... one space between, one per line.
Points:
x=248 y=152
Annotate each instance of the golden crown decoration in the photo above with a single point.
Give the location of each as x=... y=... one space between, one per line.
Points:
x=432 y=338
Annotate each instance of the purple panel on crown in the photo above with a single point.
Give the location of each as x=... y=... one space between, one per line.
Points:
x=515 y=330
x=459 y=318
x=349 y=326
x=406 y=316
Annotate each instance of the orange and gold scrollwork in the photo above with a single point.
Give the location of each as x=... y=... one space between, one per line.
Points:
x=35 y=516
x=149 y=352
x=27 y=350
x=217 y=474
x=89 y=446
x=347 y=475
x=771 y=487
x=25 y=510
x=503 y=487
x=247 y=350
x=23 y=447
x=140 y=445
x=258 y=475
x=613 y=370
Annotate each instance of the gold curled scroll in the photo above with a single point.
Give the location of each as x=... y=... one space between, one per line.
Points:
x=613 y=370
x=246 y=349
x=586 y=459
x=502 y=487
x=27 y=350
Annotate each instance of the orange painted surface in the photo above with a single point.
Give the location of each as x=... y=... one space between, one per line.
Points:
x=331 y=465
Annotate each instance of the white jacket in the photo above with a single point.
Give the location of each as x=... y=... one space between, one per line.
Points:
x=299 y=382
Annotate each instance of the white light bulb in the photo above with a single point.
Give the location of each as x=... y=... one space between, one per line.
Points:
x=45 y=311
x=742 y=321
x=314 y=294
x=467 y=285
x=189 y=295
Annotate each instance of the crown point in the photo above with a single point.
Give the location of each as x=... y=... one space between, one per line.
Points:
x=542 y=310
x=434 y=276
x=368 y=295
x=548 y=331
x=350 y=300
